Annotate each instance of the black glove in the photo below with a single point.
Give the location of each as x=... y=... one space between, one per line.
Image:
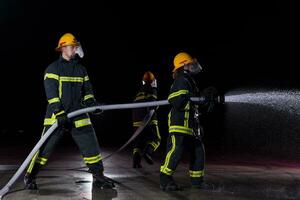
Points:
x=97 y=111
x=211 y=97
x=63 y=120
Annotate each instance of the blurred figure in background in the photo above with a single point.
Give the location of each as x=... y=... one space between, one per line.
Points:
x=149 y=140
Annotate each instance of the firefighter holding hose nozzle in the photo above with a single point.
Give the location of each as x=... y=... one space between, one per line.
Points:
x=185 y=130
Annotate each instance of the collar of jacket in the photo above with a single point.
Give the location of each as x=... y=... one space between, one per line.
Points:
x=187 y=76
x=74 y=60
x=181 y=73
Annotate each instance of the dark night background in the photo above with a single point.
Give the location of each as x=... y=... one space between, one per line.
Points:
x=238 y=43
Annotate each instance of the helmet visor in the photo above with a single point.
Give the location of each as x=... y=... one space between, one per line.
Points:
x=195 y=67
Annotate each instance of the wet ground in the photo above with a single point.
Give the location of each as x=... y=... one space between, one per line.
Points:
x=233 y=177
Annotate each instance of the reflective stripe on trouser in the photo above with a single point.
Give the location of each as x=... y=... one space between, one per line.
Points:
x=136 y=150
x=92 y=159
x=85 y=139
x=87 y=142
x=36 y=155
x=175 y=145
x=172 y=157
x=196 y=174
x=197 y=160
x=41 y=157
x=156 y=142
x=149 y=136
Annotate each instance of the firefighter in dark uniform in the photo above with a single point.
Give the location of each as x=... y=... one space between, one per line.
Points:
x=68 y=88
x=184 y=127
x=149 y=140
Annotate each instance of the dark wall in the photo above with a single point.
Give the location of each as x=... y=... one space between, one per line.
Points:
x=237 y=42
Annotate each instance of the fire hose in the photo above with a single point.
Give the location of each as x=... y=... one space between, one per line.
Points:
x=21 y=169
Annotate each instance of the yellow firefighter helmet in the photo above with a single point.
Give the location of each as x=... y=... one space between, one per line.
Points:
x=67 y=39
x=182 y=59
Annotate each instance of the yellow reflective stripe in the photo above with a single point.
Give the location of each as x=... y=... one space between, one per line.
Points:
x=51 y=75
x=68 y=79
x=164 y=168
x=88 y=97
x=49 y=121
x=59 y=113
x=32 y=162
x=187 y=115
x=151 y=95
x=29 y=170
x=154 y=122
x=71 y=79
x=41 y=160
x=60 y=89
x=175 y=94
x=53 y=100
x=91 y=160
x=155 y=145
x=140 y=93
x=136 y=150
x=140 y=98
x=137 y=124
x=196 y=174
x=86 y=78
x=157 y=132
x=181 y=129
x=82 y=122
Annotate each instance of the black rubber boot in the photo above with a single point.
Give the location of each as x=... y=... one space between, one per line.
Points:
x=102 y=182
x=30 y=182
x=30 y=178
x=167 y=183
x=136 y=160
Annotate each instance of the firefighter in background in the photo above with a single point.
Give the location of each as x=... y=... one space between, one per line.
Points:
x=149 y=140
x=68 y=88
x=184 y=127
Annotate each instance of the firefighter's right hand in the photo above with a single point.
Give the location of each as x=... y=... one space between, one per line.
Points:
x=98 y=111
x=63 y=120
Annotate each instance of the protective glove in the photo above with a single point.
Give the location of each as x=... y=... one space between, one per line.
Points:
x=63 y=120
x=97 y=111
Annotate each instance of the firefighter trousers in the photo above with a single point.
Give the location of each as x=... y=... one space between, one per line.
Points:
x=149 y=139
x=84 y=136
x=176 y=143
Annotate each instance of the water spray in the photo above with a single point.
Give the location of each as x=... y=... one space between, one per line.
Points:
x=280 y=100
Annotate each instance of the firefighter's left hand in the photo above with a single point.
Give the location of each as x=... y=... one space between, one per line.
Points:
x=98 y=111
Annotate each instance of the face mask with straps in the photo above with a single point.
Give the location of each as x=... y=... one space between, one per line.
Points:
x=79 y=51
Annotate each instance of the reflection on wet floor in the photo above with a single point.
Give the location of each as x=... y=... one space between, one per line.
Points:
x=231 y=180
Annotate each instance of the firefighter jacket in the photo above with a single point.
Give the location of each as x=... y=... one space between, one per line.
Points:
x=145 y=93
x=181 y=116
x=67 y=87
